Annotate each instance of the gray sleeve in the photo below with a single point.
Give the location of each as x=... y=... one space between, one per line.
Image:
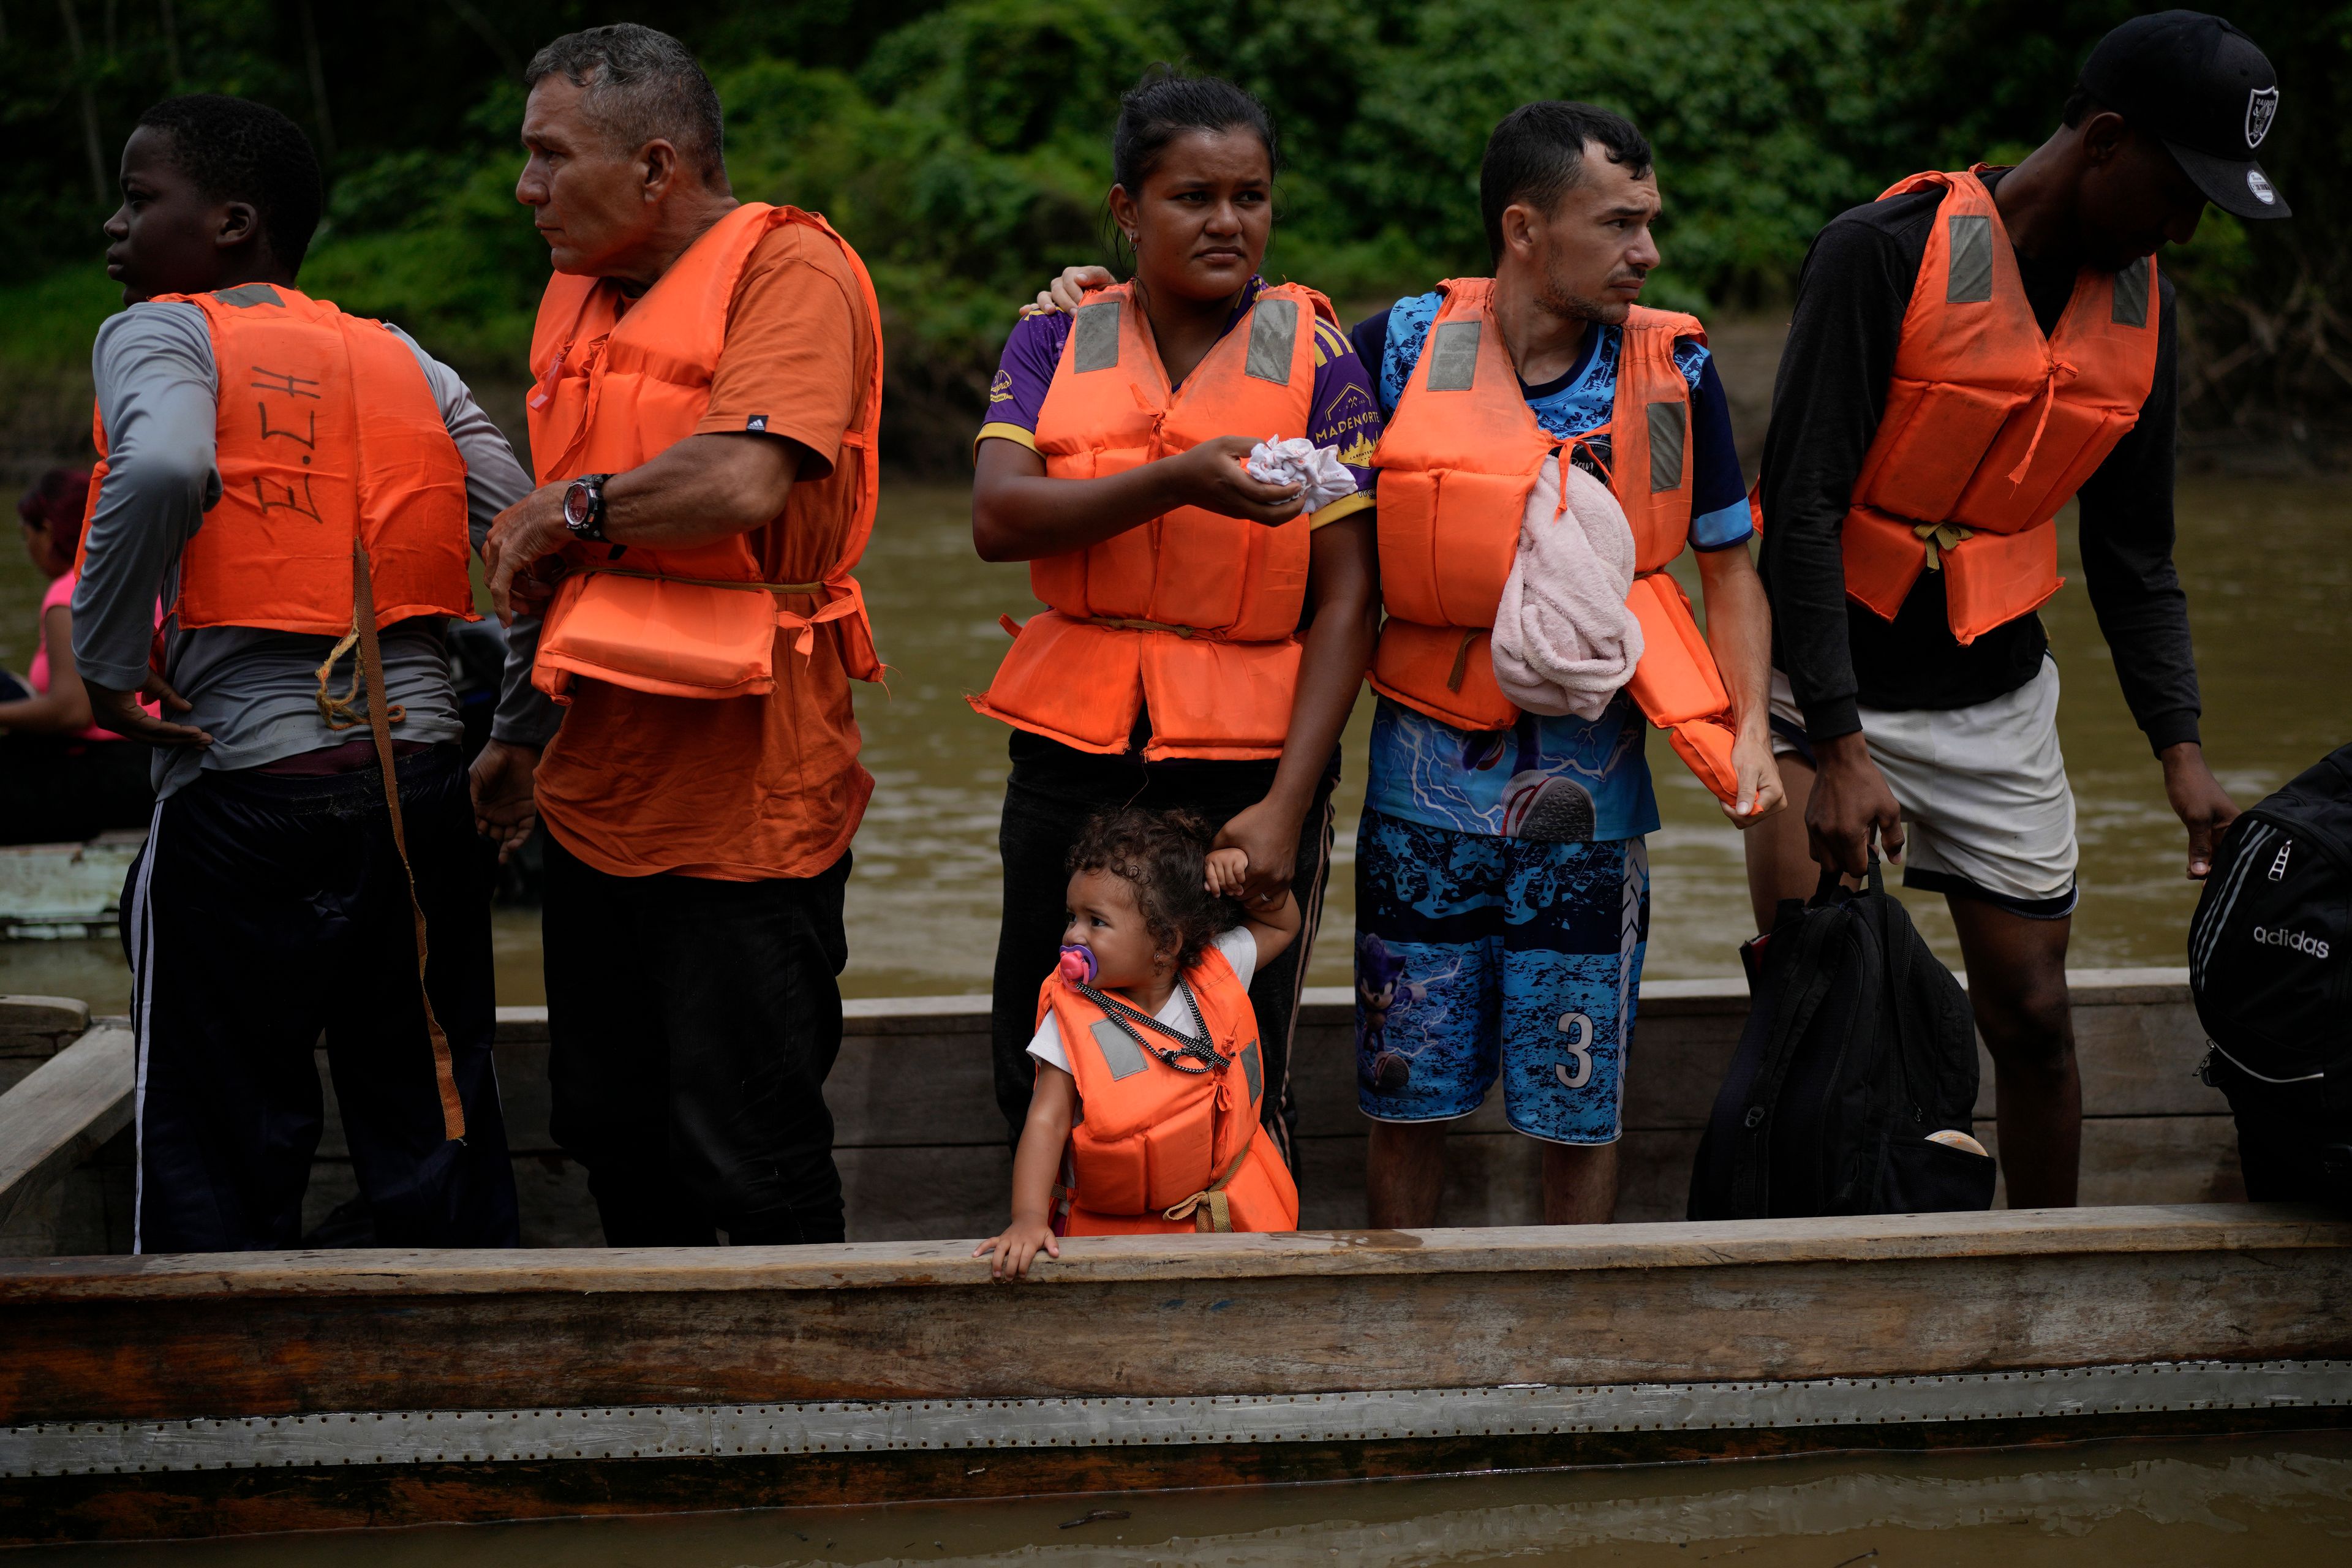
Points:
x=495 y=480
x=525 y=715
x=158 y=400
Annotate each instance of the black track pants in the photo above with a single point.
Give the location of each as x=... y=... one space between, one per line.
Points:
x=266 y=910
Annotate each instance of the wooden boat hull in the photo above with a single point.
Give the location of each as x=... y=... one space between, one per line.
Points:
x=199 y=1395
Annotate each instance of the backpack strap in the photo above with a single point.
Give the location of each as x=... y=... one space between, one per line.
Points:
x=1750 y=1182
x=1791 y=1016
x=1897 y=956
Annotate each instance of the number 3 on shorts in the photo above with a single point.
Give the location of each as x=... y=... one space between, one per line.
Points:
x=1578 y=1030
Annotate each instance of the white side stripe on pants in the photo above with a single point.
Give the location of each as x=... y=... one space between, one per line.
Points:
x=140 y=920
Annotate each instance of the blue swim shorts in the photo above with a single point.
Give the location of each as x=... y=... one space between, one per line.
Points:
x=1476 y=955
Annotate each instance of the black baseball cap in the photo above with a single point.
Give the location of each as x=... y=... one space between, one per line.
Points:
x=2201 y=86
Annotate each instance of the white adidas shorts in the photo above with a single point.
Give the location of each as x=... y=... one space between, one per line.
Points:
x=1983 y=792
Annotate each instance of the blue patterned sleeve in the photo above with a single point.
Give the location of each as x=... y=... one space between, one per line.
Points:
x=1719 y=517
x=1408 y=324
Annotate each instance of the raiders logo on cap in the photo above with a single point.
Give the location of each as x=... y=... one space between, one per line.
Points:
x=2261 y=108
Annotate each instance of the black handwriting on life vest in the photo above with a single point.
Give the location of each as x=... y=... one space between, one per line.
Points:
x=285 y=498
x=286 y=383
x=311 y=418
x=283 y=382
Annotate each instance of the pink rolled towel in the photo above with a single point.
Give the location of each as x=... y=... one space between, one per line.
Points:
x=1564 y=640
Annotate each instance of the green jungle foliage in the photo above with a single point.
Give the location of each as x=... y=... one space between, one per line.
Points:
x=964 y=149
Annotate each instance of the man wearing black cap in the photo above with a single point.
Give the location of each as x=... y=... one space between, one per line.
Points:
x=1967 y=353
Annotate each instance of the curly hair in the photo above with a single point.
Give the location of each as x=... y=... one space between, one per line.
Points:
x=238 y=151
x=1162 y=855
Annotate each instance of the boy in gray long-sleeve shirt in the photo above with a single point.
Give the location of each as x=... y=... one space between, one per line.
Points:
x=254 y=692
x=271 y=904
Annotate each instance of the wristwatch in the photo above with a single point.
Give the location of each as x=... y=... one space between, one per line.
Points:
x=584 y=508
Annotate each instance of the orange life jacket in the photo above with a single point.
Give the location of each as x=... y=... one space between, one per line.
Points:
x=304 y=472
x=1192 y=616
x=618 y=386
x=1156 y=1148
x=1458 y=460
x=1990 y=428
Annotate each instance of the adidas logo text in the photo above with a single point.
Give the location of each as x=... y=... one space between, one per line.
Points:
x=2301 y=942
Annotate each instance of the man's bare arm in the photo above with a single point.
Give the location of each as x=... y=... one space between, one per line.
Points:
x=703 y=488
x=1739 y=632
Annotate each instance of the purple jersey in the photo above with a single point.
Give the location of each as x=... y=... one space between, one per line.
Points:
x=1344 y=414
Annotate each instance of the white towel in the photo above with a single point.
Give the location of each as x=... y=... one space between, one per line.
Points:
x=1564 y=641
x=1300 y=461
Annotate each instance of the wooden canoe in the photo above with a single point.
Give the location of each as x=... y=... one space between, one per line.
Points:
x=157 y=1396
x=198 y=1395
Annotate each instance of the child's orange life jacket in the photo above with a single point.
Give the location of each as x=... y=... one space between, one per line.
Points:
x=617 y=387
x=328 y=432
x=1458 y=460
x=1156 y=1148
x=1990 y=428
x=1192 y=616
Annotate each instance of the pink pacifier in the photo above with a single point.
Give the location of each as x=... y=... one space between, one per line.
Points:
x=1077 y=965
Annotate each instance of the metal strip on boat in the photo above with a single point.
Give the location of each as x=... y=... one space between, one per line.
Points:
x=410 y=1437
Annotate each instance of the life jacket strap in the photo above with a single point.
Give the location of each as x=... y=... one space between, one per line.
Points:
x=1132 y=623
x=709 y=582
x=381 y=717
x=1196 y=1046
x=1461 y=658
x=848 y=599
x=1210 y=1209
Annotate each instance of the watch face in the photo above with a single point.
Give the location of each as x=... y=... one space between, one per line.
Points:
x=576 y=509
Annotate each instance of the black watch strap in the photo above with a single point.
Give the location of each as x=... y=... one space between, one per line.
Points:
x=584 y=508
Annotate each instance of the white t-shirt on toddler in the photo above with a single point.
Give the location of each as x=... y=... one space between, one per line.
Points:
x=1240 y=949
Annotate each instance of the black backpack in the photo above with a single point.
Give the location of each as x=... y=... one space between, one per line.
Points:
x=2270 y=949
x=1858 y=1046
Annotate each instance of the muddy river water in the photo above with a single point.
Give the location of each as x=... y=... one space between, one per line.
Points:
x=2269 y=569
x=2258 y=1503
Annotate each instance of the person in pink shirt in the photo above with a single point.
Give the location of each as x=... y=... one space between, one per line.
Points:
x=62 y=779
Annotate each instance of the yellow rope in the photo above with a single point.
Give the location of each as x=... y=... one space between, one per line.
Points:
x=1939 y=537
x=1210 y=1209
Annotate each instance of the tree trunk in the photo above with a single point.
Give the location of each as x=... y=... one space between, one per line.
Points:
x=99 y=182
x=171 y=43
x=318 y=85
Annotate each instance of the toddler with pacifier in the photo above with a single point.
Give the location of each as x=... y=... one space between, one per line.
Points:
x=1149 y=1079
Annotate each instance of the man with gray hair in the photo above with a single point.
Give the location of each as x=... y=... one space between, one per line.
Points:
x=708 y=385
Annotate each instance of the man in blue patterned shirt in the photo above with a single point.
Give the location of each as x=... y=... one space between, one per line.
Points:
x=1501 y=888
